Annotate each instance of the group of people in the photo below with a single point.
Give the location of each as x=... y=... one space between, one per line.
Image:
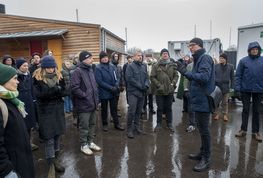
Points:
x=39 y=93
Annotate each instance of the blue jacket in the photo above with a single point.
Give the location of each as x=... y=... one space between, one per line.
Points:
x=249 y=74
x=137 y=79
x=202 y=80
x=106 y=77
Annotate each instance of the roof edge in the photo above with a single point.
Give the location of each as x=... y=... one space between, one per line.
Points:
x=109 y=32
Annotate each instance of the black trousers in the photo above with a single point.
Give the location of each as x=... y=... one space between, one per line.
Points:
x=256 y=99
x=150 y=102
x=113 y=110
x=164 y=106
x=202 y=120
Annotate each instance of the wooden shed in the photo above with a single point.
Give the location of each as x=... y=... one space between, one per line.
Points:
x=22 y=36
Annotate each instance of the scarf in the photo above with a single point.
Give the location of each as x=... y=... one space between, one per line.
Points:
x=51 y=79
x=164 y=61
x=12 y=96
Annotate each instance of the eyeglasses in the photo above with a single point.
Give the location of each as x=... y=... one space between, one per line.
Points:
x=191 y=45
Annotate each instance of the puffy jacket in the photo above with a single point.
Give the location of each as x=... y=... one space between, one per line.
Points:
x=164 y=78
x=202 y=81
x=107 y=77
x=249 y=74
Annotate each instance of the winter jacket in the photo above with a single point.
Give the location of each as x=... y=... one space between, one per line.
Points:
x=224 y=76
x=202 y=80
x=137 y=79
x=15 y=149
x=164 y=78
x=249 y=73
x=84 y=89
x=106 y=78
x=50 y=107
x=26 y=94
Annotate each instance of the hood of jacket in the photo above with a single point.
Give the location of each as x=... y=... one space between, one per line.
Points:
x=254 y=45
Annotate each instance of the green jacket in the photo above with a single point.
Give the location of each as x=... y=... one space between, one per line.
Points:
x=164 y=78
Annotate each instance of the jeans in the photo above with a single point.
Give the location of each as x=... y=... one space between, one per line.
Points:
x=191 y=114
x=204 y=131
x=113 y=111
x=68 y=104
x=256 y=99
x=224 y=104
x=164 y=106
x=87 y=124
x=51 y=146
x=134 y=112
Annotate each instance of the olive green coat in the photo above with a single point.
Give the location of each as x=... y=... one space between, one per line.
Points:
x=164 y=78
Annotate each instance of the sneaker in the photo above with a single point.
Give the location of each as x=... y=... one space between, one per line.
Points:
x=85 y=149
x=257 y=137
x=240 y=133
x=190 y=129
x=94 y=147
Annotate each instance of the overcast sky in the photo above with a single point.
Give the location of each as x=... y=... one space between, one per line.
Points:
x=150 y=23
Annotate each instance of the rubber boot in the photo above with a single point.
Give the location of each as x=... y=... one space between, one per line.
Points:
x=57 y=163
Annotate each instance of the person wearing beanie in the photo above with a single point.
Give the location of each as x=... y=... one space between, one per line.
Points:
x=13 y=133
x=106 y=75
x=85 y=101
x=224 y=77
x=34 y=62
x=50 y=88
x=9 y=60
x=164 y=77
x=25 y=88
x=249 y=84
x=202 y=79
x=115 y=60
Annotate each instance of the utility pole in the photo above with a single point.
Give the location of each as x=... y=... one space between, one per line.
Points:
x=77 y=15
x=210 y=29
x=230 y=33
x=126 y=38
x=195 y=30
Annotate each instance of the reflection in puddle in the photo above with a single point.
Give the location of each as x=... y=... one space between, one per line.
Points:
x=177 y=165
x=124 y=165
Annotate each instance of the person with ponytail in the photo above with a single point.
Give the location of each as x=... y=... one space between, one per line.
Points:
x=16 y=158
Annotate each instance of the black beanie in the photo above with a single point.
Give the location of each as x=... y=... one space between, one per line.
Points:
x=164 y=50
x=48 y=62
x=103 y=54
x=198 y=41
x=223 y=55
x=20 y=62
x=84 y=55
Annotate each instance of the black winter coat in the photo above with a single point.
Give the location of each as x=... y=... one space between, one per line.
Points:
x=224 y=75
x=25 y=88
x=50 y=107
x=15 y=149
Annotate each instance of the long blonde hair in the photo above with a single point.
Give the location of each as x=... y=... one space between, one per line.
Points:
x=40 y=73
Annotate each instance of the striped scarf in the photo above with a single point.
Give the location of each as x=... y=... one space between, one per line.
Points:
x=12 y=96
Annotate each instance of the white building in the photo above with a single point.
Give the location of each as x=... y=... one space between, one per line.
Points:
x=247 y=34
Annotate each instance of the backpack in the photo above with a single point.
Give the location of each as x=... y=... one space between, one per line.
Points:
x=4 y=111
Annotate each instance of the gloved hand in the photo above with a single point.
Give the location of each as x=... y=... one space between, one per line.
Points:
x=114 y=90
x=121 y=89
x=145 y=88
x=58 y=88
x=181 y=67
x=238 y=95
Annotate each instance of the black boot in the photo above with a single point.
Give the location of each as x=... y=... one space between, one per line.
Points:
x=51 y=170
x=119 y=127
x=202 y=165
x=195 y=156
x=57 y=163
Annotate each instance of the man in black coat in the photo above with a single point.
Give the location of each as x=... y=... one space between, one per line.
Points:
x=137 y=84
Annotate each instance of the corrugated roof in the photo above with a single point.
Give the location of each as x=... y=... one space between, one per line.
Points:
x=45 y=33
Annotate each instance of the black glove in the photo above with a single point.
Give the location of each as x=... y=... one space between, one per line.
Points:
x=181 y=67
x=114 y=90
x=145 y=88
x=57 y=88
x=238 y=95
